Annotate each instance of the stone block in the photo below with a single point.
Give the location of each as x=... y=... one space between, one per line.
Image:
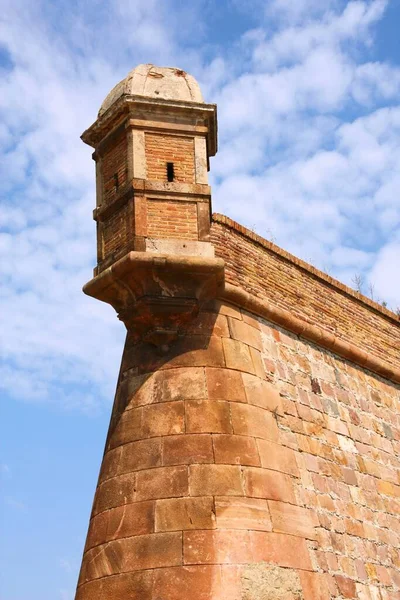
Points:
x=280 y=549
x=207 y=417
x=151 y=551
x=136 y=390
x=97 y=533
x=167 y=418
x=142 y=454
x=262 y=483
x=225 y=384
x=209 y=355
x=237 y=356
x=179 y=247
x=242 y=513
x=220 y=480
x=261 y=393
x=115 y=492
x=251 y=319
x=253 y=421
x=258 y=363
x=277 y=457
x=183 y=582
x=137 y=584
x=346 y=586
x=187 y=449
x=102 y=561
x=163 y=482
x=242 y=331
x=228 y=309
x=128 y=428
x=110 y=465
x=236 y=449
x=130 y=520
x=208 y=323
x=269 y=582
x=189 y=351
x=216 y=547
x=294 y=520
x=175 y=514
x=185 y=383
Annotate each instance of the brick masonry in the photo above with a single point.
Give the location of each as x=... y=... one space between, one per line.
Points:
x=115 y=234
x=179 y=150
x=272 y=274
x=114 y=164
x=169 y=219
x=220 y=472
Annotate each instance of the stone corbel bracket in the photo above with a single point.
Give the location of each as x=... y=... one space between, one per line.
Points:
x=157 y=296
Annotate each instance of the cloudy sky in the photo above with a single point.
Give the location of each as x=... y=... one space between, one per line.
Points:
x=309 y=125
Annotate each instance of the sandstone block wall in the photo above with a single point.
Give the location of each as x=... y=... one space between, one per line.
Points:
x=246 y=464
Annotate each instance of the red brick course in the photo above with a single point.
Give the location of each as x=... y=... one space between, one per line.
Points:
x=162 y=148
x=172 y=220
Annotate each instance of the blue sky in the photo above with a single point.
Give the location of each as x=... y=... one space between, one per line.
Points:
x=309 y=124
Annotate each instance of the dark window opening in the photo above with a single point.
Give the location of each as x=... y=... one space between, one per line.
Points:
x=170 y=171
x=116 y=181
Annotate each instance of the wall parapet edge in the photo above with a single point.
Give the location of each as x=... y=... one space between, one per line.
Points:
x=301 y=264
x=239 y=297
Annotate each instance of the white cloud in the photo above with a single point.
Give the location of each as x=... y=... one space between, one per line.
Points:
x=302 y=9
x=385 y=272
x=15 y=503
x=59 y=346
x=5 y=470
x=66 y=565
x=332 y=30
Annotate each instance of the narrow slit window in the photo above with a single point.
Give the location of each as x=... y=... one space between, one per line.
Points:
x=170 y=171
x=116 y=182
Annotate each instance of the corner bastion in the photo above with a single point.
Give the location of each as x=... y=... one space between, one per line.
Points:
x=254 y=441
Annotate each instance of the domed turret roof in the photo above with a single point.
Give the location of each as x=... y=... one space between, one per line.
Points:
x=150 y=81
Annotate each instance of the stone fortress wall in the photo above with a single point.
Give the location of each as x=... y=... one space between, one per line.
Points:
x=244 y=452
x=254 y=455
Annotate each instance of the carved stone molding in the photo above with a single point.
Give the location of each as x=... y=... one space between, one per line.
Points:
x=157 y=296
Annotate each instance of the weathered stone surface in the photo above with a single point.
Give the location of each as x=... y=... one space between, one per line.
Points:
x=157 y=82
x=215 y=480
x=187 y=449
x=294 y=520
x=280 y=549
x=242 y=513
x=267 y=582
x=236 y=449
x=178 y=514
x=263 y=483
x=242 y=460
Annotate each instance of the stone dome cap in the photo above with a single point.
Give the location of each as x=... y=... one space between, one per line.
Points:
x=150 y=81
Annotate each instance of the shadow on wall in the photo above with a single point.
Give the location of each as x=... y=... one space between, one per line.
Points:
x=141 y=360
x=199 y=522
